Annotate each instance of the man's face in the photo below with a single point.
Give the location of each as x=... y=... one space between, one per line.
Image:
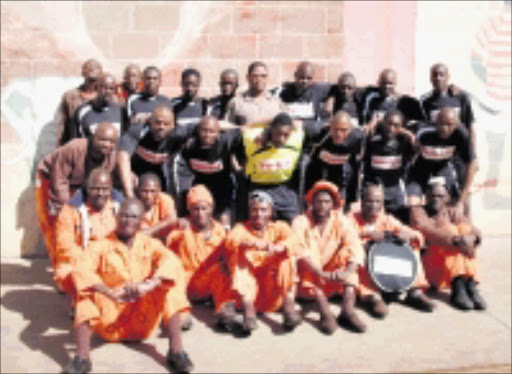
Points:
x=372 y=203
x=304 y=78
x=161 y=123
x=106 y=89
x=347 y=86
x=190 y=86
x=260 y=214
x=151 y=82
x=436 y=198
x=387 y=83
x=208 y=132
x=257 y=79
x=201 y=214
x=147 y=192
x=439 y=78
x=322 y=204
x=104 y=140
x=99 y=190
x=91 y=71
x=228 y=84
x=391 y=125
x=132 y=78
x=129 y=220
x=446 y=124
x=279 y=134
x=340 y=130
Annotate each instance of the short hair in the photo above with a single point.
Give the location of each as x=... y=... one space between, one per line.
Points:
x=147 y=177
x=282 y=119
x=369 y=185
x=254 y=65
x=190 y=72
x=147 y=69
x=229 y=71
x=393 y=112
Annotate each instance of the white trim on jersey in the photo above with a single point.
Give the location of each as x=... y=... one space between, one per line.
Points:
x=83 y=111
x=129 y=101
x=370 y=96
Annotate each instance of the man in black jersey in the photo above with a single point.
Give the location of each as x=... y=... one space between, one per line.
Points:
x=385 y=98
x=347 y=97
x=207 y=155
x=131 y=84
x=189 y=108
x=101 y=109
x=336 y=157
x=151 y=152
x=304 y=97
x=140 y=105
x=439 y=147
x=228 y=84
x=386 y=159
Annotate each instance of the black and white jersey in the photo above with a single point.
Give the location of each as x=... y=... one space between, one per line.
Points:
x=143 y=103
x=188 y=112
x=90 y=115
x=432 y=102
x=218 y=105
x=305 y=105
x=354 y=108
x=378 y=105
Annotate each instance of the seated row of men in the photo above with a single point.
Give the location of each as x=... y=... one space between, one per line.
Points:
x=123 y=282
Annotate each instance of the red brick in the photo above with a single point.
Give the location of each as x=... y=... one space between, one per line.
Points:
x=133 y=45
x=170 y=91
x=103 y=40
x=325 y=46
x=303 y=20
x=334 y=69
x=171 y=74
x=22 y=44
x=14 y=69
x=59 y=68
x=107 y=17
x=256 y=20
x=221 y=21
x=272 y=46
x=232 y=46
x=149 y=17
x=195 y=47
x=335 y=18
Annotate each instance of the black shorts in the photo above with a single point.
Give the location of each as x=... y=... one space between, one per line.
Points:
x=286 y=202
x=418 y=179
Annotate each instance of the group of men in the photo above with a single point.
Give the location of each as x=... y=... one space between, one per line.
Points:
x=252 y=200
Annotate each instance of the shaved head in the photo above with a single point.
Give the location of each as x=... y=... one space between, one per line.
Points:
x=99 y=188
x=129 y=219
x=99 y=174
x=106 y=130
x=149 y=178
x=305 y=67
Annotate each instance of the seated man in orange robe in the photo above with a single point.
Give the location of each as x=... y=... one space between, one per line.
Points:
x=125 y=286
x=452 y=240
x=159 y=209
x=261 y=258
x=201 y=250
x=374 y=224
x=333 y=252
x=82 y=221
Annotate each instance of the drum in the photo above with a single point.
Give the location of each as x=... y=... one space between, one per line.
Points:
x=392 y=265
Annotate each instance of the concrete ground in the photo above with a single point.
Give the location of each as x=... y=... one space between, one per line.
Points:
x=36 y=337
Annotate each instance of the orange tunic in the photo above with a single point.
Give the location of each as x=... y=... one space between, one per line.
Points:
x=332 y=249
x=386 y=222
x=442 y=263
x=111 y=262
x=69 y=236
x=203 y=260
x=162 y=208
x=258 y=276
x=46 y=221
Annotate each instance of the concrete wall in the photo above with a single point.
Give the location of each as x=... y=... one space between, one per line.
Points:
x=44 y=43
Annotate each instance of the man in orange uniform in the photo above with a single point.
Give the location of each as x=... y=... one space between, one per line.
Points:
x=373 y=224
x=261 y=257
x=159 y=210
x=333 y=252
x=125 y=285
x=451 y=253
x=83 y=220
x=65 y=170
x=201 y=250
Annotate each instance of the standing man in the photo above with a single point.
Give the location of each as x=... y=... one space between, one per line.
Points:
x=102 y=109
x=347 y=97
x=189 y=107
x=131 y=84
x=217 y=106
x=65 y=170
x=125 y=286
x=72 y=99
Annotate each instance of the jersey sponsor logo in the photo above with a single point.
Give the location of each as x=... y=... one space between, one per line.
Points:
x=435 y=113
x=437 y=153
x=187 y=121
x=205 y=166
x=275 y=165
x=386 y=162
x=333 y=159
x=355 y=121
x=149 y=156
x=301 y=110
x=94 y=126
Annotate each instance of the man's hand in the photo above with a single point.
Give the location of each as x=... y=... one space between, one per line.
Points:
x=374 y=235
x=467 y=245
x=403 y=236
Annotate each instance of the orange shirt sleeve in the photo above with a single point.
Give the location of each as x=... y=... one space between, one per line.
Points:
x=165 y=263
x=167 y=206
x=286 y=237
x=85 y=273
x=351 y=241
x=300 y=226
x=68 y=244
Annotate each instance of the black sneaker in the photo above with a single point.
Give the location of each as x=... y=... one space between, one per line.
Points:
x=179 y=362
x=78 y=366
x=478 y=301
x=459 y=297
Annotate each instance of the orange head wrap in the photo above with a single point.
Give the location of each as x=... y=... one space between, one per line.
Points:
x=326 y=186
x=199 y=193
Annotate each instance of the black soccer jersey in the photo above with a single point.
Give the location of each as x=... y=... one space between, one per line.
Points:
x=376 y=104
x=90 y=115
x=354 y=107
x=432 y=102
x=306 y=105
x=218 y=105
x=188 y=112
x=143 y=103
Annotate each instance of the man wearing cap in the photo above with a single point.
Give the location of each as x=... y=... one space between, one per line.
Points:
x=200 y=248
x=452 y=242
x=261 y=257
x=332 y=254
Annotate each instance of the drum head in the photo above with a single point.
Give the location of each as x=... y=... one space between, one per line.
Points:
x=392 y=266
